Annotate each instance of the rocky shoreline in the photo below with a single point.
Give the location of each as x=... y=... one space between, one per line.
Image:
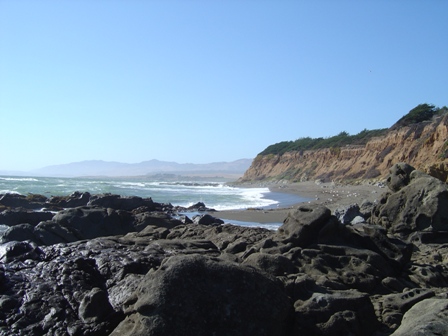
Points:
x=110 y=265
x=331 y=195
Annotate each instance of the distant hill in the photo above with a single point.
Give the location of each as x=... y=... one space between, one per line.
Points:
x=151 y=167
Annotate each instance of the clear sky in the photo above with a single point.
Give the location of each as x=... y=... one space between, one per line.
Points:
x=207 y=81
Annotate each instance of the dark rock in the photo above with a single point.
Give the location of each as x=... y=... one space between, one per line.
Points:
x=21 y=201
x=391 y=308
x=419 y=205
x=76 y=199
x=365 y=236
x=347 y=214
x=141 y=272
x=335 y=313
x=194 y=295
x=49 y=233
x=121 y=203
x=95 y=306
x=427 y=317
x=185 y=220
x=199 y=206
x=88 y=223
x=399 y=176
x=366 y=209
x=161 y=219
x=342 y=267
x=72 y=288
x=273 y=264
x=20 y=232
x=21 y=251
x=207 y=220
x=14 y=217
x=302 y=226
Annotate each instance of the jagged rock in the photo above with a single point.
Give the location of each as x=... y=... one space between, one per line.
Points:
x=421 y=204
x=156 y=218
x=14 y=217
x=195 y=295
x=364 y=236
x=58 y=291
x=18 y=232
x=426 y=318
x=185 y=219
x=366 y=209
x=121 y=203
x=273 y=264
x=155 y=275
x=199 y=206
x=335 y=313
x=302 y=225
x=95 y=306
x=20 y=251
x=21 y=201
x=207 y=220
x=391 y=308
x=342 y=267
x=87 y=222
x=399 y=176
x=348 y=214
x=74 y=200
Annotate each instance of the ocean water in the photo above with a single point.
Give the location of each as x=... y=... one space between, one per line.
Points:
x=215 y=194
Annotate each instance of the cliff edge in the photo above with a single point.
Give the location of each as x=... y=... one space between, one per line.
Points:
x=423 y=145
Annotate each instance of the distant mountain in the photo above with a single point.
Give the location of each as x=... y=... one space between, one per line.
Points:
x=105 y=168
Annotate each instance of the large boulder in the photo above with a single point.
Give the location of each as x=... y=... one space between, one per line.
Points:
x=391 y=308
x=335 y=313
x=196 y=295
x=17 y=216
x=369 y=237
x=303 y=224
x=20 y=232
x=161 y=219
x=399 y=176
x=121 y=203
x=418 y=202
x=88 y=223
x=426 y=318
x=207 y=219
x=13 y=200
x=76 y=199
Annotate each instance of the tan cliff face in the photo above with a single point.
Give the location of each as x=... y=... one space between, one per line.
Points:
x=424 y=146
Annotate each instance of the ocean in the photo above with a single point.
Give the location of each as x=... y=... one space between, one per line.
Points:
x=183 y=192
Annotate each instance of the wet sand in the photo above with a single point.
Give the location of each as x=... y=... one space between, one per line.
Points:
x=332 y=195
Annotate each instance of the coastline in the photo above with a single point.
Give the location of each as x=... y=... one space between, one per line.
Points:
x=332 y=195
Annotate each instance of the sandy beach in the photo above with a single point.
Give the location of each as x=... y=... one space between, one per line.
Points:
x=331 y=195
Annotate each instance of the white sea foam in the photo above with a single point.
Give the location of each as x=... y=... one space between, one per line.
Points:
x=9 y=192
x=214 y=194
x=24 y=179
x=130 y=184
x=3 y=228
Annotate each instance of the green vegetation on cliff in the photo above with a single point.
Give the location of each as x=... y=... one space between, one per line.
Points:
x=342 y=139
x=420 y=113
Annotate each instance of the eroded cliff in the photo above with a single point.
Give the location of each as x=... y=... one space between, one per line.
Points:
x=423 y=145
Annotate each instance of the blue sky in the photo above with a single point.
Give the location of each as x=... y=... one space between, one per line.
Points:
x=207 y=81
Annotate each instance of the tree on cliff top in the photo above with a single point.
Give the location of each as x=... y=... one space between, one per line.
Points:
x=340 y=140
x=420 y=113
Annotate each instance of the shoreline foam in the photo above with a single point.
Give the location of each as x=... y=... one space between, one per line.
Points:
x=331 y=195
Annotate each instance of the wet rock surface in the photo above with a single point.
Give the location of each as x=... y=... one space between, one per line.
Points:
x=129 y=266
